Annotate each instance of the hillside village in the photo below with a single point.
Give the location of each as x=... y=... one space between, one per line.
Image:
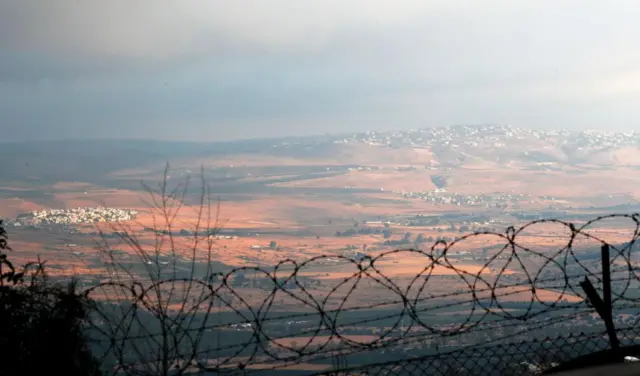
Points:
x=497 y=135
x=75 y=216
x=498 y=200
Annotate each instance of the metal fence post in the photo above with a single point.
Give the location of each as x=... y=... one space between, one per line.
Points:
x=603 y=306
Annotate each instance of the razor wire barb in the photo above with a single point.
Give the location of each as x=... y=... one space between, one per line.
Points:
x=178 y=324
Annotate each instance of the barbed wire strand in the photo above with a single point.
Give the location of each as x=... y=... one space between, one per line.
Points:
x=553 y=271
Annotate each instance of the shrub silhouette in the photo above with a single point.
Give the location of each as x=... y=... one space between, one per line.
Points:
x=41 y=324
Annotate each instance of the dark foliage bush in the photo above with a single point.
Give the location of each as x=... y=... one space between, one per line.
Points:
x=41 y=324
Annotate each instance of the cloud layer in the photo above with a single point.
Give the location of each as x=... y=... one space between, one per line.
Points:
x=226 y=69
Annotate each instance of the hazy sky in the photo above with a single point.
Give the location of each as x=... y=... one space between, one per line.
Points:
x=213 y=70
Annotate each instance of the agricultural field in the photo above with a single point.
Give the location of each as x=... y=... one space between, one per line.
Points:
x=350 y=223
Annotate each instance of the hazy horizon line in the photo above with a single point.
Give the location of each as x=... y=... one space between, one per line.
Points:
x=255 y=139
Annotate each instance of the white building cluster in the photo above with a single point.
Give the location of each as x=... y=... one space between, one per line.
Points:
x=494 y=200
x=82 y=215
x=494 y=135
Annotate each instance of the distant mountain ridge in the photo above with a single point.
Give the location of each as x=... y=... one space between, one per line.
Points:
x=89 y=160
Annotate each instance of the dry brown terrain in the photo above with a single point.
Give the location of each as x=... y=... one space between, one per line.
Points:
x=477 y=180
x=627 y=156
x=11 y=207
x=415 y=180
x=303 y=222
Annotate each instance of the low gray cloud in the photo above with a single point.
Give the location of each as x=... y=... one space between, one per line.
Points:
x=217 y=70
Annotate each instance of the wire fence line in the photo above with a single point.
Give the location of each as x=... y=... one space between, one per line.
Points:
x=521 y=358
x=372 y=320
